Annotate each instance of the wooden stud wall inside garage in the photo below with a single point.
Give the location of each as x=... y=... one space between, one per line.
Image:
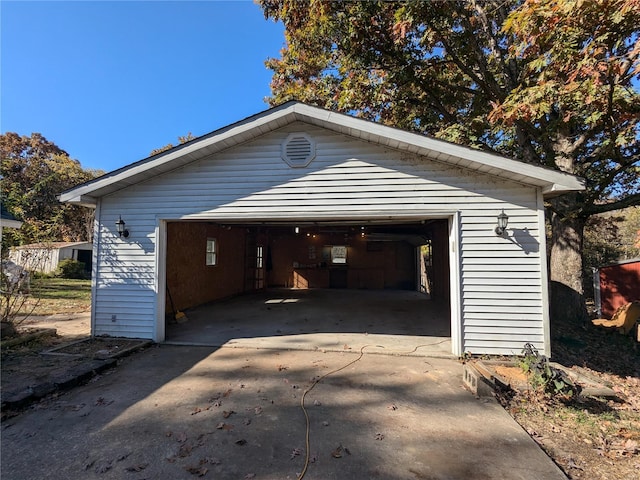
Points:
x=190 y=281
x=301 y=261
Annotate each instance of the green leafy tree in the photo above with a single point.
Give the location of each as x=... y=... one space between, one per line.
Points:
x=34 y=172
x=547 y=82
x=630 y=232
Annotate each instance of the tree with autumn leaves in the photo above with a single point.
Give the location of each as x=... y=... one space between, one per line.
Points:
x=34 y=172
x=552 y=83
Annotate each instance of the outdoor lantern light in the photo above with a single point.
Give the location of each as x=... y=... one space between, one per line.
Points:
x=123 y=232
x=503 y=221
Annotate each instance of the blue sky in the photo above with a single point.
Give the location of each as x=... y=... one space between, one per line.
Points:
x=110 y=81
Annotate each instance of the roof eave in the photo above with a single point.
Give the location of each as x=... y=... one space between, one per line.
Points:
x=552 y=182
x=164 y=162
x=82 y=200
x=555 y=190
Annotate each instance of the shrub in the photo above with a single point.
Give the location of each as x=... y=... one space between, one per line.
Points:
x=70 y=268
x=543 y=376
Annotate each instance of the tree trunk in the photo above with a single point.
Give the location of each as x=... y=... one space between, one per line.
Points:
x=567 y=299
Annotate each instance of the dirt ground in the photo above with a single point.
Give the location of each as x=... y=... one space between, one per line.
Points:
x=589 y=438
x=68 y=325
x=23 y=366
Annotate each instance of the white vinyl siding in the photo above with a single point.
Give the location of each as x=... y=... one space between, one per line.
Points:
x=500 y=280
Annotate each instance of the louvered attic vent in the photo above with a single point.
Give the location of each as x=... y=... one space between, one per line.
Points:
x=298 y=150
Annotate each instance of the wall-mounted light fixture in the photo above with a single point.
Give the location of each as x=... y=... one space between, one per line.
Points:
x=122 y=232
x=503 y=221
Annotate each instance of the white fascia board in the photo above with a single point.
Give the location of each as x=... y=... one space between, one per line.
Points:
x=552 y=181
x=176 y=157
x=83 y=200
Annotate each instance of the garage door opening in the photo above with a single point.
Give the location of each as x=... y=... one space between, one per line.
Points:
x=321 y=279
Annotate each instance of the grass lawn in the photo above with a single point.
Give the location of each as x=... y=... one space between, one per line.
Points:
x=50 y=296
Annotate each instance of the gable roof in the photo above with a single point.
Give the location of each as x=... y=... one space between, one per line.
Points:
x=552 y=182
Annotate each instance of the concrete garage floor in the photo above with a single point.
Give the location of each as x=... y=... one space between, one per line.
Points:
x=184 y=412
x=388 y=321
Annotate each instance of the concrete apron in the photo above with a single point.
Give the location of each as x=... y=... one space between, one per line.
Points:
x=179 y=412
x=385 y=321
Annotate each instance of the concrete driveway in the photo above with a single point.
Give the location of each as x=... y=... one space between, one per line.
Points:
x=182 y=412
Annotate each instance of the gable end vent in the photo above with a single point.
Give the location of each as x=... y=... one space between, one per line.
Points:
x=298 y=150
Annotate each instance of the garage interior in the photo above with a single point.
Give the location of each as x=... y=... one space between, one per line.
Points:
x=309 y=285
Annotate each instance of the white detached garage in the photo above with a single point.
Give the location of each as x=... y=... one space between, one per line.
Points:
x=301 y=197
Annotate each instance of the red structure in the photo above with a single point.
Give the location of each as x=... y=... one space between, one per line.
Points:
x=619 y=284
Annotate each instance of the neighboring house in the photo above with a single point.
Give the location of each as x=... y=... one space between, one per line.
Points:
x=616 y=285
x=297 y=196
x=45 y=257
x=7 y=220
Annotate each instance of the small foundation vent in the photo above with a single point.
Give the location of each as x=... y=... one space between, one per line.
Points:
x=298 y=150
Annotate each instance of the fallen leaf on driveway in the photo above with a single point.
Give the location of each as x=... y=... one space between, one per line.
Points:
x=199 y=471
x=227 y=393
x=224 y=426
x=103 y=467
x=123 y=456
x=185 y=450
x=227 y=414
x=137 y=468
x=337 y=453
